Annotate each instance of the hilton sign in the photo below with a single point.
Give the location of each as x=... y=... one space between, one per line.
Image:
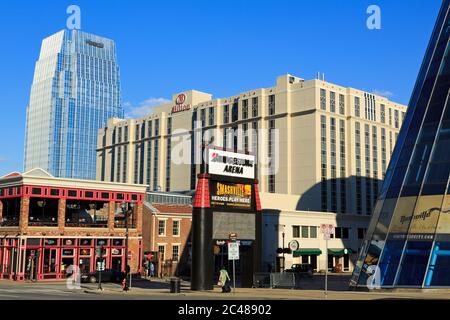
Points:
x=180 y=104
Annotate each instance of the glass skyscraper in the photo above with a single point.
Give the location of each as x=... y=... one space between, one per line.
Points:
x=408 y=241
x=76 y=88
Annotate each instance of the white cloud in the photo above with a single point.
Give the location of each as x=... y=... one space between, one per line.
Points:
x=383 y=93
x=144 y=108
x=3 y=159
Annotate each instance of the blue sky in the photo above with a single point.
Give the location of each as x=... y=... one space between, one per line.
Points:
x=222 y=47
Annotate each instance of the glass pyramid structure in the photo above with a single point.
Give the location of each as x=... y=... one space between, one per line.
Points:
x=408 y=241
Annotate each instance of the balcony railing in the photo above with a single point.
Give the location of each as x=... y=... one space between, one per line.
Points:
x=120 y=224
x=86 y=224
x=9 y=222
x=43 y=222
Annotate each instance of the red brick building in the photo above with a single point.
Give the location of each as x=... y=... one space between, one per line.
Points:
x=48 y=224
x=167 y=220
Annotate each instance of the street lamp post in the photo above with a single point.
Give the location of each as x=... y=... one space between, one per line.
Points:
x=126 y=213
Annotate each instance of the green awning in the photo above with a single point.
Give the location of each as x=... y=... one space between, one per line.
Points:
x=340 y=252
x=307 y=252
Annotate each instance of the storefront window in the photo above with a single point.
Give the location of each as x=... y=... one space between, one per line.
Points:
x=125 y=215
x=43 y=212
x=10 y=212
x=439 y=269
x=90 y=214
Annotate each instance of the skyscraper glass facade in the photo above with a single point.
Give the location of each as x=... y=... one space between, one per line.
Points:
x=408 y=241
x=76 y=88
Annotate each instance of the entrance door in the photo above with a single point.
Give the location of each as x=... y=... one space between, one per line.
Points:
x=85 y=265
x=32 y=264
x=49 y=263
x=314 y=263
x=116 y=263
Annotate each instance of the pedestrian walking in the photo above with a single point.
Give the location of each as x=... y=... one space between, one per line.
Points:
x=223 y=278
x=152 y=269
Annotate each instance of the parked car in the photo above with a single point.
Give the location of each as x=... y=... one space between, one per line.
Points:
x=303 y=270
x=108 y=275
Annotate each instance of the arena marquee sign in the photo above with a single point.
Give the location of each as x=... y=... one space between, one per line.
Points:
x=231 y=164
x=231 y=195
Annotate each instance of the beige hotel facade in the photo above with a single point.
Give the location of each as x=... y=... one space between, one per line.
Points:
x=330 y=145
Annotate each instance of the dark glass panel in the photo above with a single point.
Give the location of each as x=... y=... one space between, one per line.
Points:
x=414 y=264
x=439 y=269
x=389 y=262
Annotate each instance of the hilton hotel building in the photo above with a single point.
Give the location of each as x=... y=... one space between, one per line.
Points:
x=332 y=149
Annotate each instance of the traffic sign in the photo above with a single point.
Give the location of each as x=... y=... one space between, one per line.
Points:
x=101 y=265
x=327 y=229
x=233 y=251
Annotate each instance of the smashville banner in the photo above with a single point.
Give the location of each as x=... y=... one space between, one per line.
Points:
x=231 y=195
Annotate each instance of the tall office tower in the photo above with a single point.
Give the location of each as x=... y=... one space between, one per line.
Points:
x=408 y=241
x=76 y=88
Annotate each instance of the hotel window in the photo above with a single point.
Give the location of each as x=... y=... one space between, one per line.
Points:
x=323 y=99
x=120 y=134
x=361 y=233
x=357 y=107
x=245 y=136
x=296 y=231
x=403 y=117
x=137 y=132
x=305 y=232
x=396 y=119
x=333 y=165
x=358 y=168
x=368 y=164
x=375 y=164
x=332 y=101
x=255 y=139
x=370 y=106
x=313 y=232
x=143 y=130
x=255 y=107
x=211 y=116
x=324 y=189
x=226 y=114
x=343 y=185
x=169 y=125
x=168 y=163
x=203 y=117
x=150 y=129
x=162 y=252
x=271 y=105
x=341 y=233
x=157 y=127
x=125 y=163
x=175 y=253
x=149 y=166
x=383 y=113
x=136 y=163
x=119 y=154
x=245 y=109
x=383 y=153
x=162 y=228
x=341 y=104
x=176 y=228
x=235 y=111
x=156 y=166
x=271 y=154
x=390 y=116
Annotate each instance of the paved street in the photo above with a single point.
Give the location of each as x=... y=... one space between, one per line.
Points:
x=158 y=290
